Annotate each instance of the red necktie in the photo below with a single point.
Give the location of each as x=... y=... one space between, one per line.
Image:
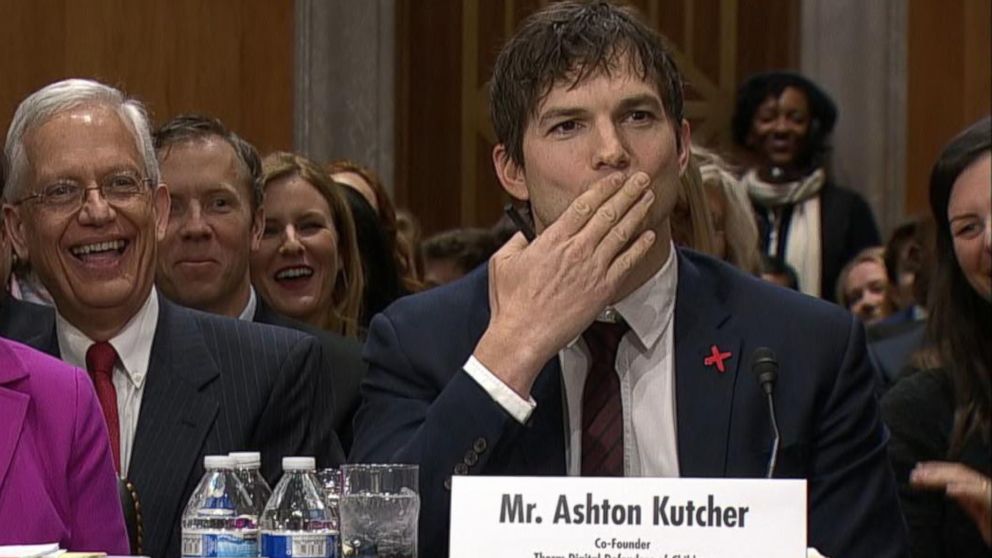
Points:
x=100 y=359
x=602 y=410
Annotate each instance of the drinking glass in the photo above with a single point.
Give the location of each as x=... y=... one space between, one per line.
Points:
x=379 y=510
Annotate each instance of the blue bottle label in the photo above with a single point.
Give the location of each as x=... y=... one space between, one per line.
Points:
x=216 y=544
x=299 y=545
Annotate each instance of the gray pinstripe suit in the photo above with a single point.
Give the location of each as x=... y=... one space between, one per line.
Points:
x=216 y=385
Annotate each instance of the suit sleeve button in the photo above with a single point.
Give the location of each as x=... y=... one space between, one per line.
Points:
x=480 y=445
x=471 y=458
x=461 y=469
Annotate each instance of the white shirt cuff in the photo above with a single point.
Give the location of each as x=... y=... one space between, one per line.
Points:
x=518 y=407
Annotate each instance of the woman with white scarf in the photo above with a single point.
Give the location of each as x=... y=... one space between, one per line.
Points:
x=782 y=121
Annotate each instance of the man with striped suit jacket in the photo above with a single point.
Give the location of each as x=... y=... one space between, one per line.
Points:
x=84 y=204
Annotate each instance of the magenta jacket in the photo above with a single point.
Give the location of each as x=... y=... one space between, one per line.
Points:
x=57 y=479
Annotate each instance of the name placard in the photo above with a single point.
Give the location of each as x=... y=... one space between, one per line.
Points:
x=583 y=517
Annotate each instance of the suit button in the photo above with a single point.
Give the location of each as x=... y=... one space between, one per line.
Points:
x=480 y=445
x=461 y=469
x=447 y=484
x=471 y=458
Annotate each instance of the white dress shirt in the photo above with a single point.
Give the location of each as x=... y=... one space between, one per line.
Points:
x=134 y=348
x=646 y=367
x=248 y=314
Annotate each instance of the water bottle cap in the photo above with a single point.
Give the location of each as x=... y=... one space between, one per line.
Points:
x=246 y=458
x=299 y=464
x=217 y=462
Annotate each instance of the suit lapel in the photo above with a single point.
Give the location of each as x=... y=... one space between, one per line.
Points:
x=13 y=408
x=178 y=410
x=703 y=394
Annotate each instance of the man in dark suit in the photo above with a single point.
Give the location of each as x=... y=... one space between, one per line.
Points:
x=216 y=219
x=85 y=205
x=597 y=348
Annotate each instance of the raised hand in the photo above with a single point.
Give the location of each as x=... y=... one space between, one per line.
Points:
x=545 y=294
x=971 y=489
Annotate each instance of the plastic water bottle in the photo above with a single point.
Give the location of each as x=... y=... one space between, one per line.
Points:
x=247 y=465
x=296 y=522
x=219 y=521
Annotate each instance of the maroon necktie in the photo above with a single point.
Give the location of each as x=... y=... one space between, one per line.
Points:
x=100 y=359
x=602 y=410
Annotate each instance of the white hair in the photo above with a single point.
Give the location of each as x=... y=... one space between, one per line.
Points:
x=66 y=95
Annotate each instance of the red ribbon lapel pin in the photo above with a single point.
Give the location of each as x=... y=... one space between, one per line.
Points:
x=716 y=358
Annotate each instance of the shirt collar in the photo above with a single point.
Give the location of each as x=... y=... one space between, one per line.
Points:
x=133 y=344
x=248 y=314
x=649 y=309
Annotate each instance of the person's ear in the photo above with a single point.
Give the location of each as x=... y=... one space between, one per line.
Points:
x=257 y=226
x=161 y=204
x=685 y=145
x=15 y=231
x=511 y=175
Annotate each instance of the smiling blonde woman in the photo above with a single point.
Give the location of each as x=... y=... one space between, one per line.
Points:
x=307 y=265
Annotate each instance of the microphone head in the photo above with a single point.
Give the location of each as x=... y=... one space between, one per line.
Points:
x=764 y=364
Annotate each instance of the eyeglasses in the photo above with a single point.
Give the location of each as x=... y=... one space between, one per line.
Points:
x=68 y=196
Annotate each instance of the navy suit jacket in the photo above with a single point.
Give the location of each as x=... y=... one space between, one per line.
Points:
x=341 y=375
x=419 y=406
x=216 y=385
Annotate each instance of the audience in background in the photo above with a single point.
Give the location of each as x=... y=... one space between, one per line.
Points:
x=736 y=233
x=863 y=286
x=775 y=270
x=215 y=221
x=782 y=122
x=366 y=182
x=215 y=216
x=940 y=414
x=902 y=262
x=450 y=255
x=383 y=283
x=307 y=265
x=893 y=340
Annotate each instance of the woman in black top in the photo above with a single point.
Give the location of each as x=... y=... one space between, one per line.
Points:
x=940 y=414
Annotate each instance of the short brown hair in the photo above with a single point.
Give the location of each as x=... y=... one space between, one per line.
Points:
x=571 y=41
x=196 y=127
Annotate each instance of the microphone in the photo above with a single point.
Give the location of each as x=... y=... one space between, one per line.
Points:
x=764 y=364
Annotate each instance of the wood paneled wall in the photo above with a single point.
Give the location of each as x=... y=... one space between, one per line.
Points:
x=950 y=83
x=445 y=53
x=229 y=58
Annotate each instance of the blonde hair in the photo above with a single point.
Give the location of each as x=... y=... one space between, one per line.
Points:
x=691 y=223
x=347 y=294
x=739 y=225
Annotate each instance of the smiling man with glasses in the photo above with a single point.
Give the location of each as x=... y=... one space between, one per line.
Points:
x=84 y=204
